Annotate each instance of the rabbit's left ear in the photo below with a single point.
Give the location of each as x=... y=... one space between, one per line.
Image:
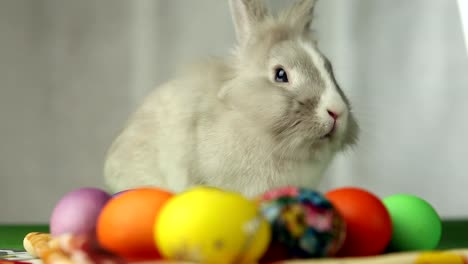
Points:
x=246 y=14
x=300 y=14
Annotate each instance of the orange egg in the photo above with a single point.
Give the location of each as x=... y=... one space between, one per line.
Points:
x=125 y=224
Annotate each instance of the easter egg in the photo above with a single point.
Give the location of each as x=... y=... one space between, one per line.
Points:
x=208 y=225
x=304 y=224
x=77 y=212
x=368 y=223
x=125 y=225
x=416 y=224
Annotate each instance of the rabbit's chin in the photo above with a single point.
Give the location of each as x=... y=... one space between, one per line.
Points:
x=329 y=143
x=312 y=145
x=309 y=148
x=303 y=140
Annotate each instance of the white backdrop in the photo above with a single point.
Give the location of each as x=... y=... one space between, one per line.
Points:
x=72 y=71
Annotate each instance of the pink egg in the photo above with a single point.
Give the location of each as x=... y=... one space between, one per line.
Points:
x=77 y=211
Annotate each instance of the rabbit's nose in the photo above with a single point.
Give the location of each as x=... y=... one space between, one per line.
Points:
x=333 y=114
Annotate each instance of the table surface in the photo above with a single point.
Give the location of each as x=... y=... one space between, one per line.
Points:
x=455 y=234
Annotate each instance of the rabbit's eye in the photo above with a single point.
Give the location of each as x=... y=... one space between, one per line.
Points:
x=281 y=76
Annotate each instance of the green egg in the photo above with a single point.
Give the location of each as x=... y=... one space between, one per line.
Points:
x=416 y=224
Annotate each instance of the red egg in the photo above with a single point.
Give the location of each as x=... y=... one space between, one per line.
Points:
x=369 y=226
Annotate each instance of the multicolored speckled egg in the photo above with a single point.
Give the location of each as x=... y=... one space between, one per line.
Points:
x=304 y=224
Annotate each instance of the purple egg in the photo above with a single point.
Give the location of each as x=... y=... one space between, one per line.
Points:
x=77 y=212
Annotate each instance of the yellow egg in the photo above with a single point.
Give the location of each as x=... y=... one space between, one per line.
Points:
x=209 y=225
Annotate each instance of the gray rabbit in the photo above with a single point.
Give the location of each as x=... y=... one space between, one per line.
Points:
x=268 y=115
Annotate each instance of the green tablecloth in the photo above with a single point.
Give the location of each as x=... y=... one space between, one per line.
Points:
x=11 y=236
x=455 y=234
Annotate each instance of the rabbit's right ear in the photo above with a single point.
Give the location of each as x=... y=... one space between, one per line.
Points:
x=300 y=14
x=246 y=14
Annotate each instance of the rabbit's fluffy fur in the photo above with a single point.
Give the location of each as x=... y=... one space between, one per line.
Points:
x=233 y=122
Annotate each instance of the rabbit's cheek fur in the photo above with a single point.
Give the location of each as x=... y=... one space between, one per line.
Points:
x=308 y=124
x=256 y=101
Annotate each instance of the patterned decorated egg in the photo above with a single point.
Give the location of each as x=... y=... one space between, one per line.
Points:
x=304 y=224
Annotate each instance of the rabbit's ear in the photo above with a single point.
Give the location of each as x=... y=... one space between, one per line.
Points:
x=246 y=14
x=300 y=14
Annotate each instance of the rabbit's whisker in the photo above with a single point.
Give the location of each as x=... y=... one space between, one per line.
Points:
x=295 y=123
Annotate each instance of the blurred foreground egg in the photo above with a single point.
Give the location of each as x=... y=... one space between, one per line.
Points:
x=368 y=223
x=416 y=224
x=304 y=224
x=77 y=212
x=208 y=225
x=125 y=225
